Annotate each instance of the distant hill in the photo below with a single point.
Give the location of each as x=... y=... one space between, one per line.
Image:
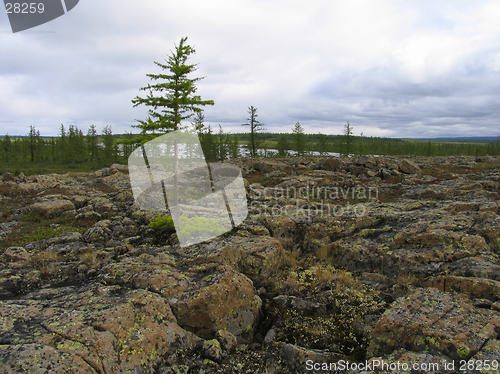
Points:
x=476 y=139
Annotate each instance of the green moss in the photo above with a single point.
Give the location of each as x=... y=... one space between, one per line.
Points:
x=463 y=352
x=163 y=227
x=40 y=234
x=432 y=341
x=162 y=224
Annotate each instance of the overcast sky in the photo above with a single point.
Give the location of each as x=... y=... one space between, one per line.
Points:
x=391 y=68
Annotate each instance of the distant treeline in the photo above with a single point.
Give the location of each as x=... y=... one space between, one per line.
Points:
x=289 y=145
x=74 y=149
x=71 y=149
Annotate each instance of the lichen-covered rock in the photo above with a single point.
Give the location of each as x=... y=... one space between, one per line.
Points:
x=88 y=330
x=436 y=322
x=40 y=358
x=257 y=257
x=475 y=267
x=490 y=351
x=403 y=361
x=229 y=302
x=204 y=298
x=227 y=340
x=69 y=237
x=52 y=208
x=104 y=207
x=409 y=167
x=332 y=164
x=472 y=287
x=14 y=254
x=7 y=227
x=365 y=160
x=119 y=168
x=79 y=201
x=210 y=349
x=100 y=233
x=8 y=177
x=297 y=357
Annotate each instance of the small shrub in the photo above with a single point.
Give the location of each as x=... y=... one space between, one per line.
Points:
x=89 y=257
x=286 y=241
x=40 y=234
x=322 y=253
x=33 y=217
x=44 y=260
x=406 y=280
x=324 y=274
x=293 y=259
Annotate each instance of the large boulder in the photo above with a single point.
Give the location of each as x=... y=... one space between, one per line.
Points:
x=367 y=161
x=228 y=302
x=88 y=330
x=52 y=208
x=332 y=164
x=435 y=322
x=257 y=257
x=8 y=177
x=119 y=168
x=204 y=298
x=409 y=167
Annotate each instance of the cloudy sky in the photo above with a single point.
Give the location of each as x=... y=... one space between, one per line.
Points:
x=391 y=68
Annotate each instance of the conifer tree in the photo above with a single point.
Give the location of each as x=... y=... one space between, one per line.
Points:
x=222 y=145
x=348 y=139
x=322 y=144
x=6 y=145
x=208 y=145
x=33 y=142
x=234 y=147
x=109 y=145
x=173 y=98
x=298 y=134
x=198 y=122
x=282 y=145
x=92 y=142
x=62 y=146
x=361 y=147
x=255 y=127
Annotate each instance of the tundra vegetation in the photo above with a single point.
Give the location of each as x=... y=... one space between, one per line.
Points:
x=72 y=150
x=413 y=278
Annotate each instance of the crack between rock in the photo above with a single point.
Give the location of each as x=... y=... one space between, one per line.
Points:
x=97 y=369
x=482 y=345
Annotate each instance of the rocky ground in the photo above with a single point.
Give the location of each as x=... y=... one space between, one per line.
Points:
x=385 y=259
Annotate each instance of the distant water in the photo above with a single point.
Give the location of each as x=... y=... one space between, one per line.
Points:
x=265 y=152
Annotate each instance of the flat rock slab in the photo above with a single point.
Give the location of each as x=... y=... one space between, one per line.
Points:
x=52 y=208
x=88 y=330
x=435 y=322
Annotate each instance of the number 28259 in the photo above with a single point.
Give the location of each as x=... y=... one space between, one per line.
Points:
x=24 y=8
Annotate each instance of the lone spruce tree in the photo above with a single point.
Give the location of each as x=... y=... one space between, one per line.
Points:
x=173 y=98
x=348 y=133
x=255 y=127
x=298 y=134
